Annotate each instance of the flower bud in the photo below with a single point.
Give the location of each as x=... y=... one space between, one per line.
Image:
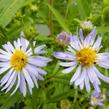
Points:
x=63 y=38
x=87 y=27
x=65 y=104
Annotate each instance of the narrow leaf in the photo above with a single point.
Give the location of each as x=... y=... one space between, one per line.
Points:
x=59 y=18
x=8 y=10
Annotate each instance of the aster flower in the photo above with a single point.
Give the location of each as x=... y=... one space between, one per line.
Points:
x=63 y=38
x=96 y=99
x=83 y=55
x=21 y=66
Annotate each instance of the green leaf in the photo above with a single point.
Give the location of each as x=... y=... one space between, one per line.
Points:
x=9 y=101
x=103 y=29
x=83 y=8
x=9 y=8
x=61 y=96
x=59 y=18
x=50 y=106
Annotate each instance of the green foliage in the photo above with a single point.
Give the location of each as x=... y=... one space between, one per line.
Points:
x=59 y=18
x=9 y=8
x=42 y=20
x=83 y=8
x=9 y=101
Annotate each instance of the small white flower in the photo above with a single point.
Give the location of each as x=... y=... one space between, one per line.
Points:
x=86 y=25
x=83 y=55
x=21 y=66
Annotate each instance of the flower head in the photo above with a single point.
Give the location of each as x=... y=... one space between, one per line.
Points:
x=83 y=54
x=86 y=26
x=63 y=38
x=33 y=7
x=96 y=99
x=21 y=66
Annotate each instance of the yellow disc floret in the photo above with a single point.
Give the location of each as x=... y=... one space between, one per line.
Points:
x=94 y=99
x=86 y=56
x=18 y=60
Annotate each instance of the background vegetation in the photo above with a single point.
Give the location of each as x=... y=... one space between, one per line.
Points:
x=42 y=20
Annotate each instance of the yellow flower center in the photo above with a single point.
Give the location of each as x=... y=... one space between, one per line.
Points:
x=94 y=99
x=86 y=56
x=18 y=60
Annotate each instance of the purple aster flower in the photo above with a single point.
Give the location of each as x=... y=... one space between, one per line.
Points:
x=96 y=99
x=21 y=66
x=83 y=55
x=63 y=38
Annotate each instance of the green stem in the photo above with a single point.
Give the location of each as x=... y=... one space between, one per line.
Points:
x=50 y=23
x=67 y=8
x=75 y=97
